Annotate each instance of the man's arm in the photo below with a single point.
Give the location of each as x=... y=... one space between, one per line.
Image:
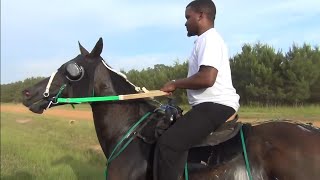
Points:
x=204 y=78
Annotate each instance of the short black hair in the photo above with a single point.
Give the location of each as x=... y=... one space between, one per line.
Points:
x=206 y=6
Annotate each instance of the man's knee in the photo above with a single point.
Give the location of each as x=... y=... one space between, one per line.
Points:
x=162 y=141
x=165 y=142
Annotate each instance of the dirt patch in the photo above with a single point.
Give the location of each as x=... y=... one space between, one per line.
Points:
x=71 y=122
x=96 y=148
x=68 y=114
x=23 y=121
x=73 y=115
x=316 y=123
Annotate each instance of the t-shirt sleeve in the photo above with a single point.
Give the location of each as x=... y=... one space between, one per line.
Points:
x=209 y=53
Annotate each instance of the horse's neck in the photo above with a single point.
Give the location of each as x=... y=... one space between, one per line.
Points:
x=113 y=120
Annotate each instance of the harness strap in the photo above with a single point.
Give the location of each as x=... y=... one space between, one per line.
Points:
x=54 y=99
x=116 y=153
x=186 y=174
x=46 y=92
x=149 y=94
x=245 y=154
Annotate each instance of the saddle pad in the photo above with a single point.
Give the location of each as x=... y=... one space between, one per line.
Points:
x=225 y=132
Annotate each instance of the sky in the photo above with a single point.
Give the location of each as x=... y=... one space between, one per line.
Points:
x=38 y=36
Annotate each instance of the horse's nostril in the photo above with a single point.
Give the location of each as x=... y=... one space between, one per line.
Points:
x=26 y=93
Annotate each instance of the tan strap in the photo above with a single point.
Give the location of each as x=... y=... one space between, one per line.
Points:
x=232 y=117
x=149 y=94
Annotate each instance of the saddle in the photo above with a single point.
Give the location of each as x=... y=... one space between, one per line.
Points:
x=166 y=116
x=200 y=155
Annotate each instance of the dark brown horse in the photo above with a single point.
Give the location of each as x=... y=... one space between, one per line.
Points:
x=276 y=149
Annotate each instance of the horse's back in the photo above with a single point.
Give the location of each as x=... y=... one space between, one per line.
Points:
x=289 y=134
x=286 y=150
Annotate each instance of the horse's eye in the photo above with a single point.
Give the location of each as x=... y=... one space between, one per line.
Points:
x=74 y=71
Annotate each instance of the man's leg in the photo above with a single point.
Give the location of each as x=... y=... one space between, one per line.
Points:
x=172 y=147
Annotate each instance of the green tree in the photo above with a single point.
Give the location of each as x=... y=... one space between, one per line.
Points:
x=300 y=73
x=255 y=73
x=12 y=92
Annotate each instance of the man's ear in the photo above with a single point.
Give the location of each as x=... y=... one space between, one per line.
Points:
x=201 y=15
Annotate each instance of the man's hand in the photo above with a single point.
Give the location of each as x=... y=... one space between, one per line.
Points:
x=204 y=78
x=169 y=87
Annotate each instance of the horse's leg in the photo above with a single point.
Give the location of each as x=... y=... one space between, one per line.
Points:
x=286 y=151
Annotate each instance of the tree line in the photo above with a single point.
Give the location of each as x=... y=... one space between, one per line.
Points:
x=12 y=92
x=260 y=74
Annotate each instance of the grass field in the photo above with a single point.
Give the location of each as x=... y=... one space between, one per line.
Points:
x=303 y=113
x=37 y=147
x=310 y=113
x=49 y=146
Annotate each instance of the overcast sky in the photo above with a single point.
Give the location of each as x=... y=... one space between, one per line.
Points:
x=37 y=36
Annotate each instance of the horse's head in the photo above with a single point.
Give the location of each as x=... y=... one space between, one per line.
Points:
x=84 y=76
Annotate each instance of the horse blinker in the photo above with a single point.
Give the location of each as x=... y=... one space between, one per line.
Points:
x=74 y=71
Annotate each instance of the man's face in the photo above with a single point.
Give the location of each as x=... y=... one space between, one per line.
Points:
x=192 y=23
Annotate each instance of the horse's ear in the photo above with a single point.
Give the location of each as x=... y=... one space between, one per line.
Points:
x=97 y=50
x=83 y=50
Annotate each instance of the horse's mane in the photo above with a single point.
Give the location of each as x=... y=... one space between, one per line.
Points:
x=123 y=86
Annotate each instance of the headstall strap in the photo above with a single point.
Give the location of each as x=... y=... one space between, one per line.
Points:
x=46 y=92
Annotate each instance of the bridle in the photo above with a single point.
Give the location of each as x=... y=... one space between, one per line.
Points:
x=75 y=73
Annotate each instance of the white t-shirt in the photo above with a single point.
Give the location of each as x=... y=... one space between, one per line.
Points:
x=210 y=50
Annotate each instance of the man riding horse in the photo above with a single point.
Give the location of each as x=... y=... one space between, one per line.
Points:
x=209 y=88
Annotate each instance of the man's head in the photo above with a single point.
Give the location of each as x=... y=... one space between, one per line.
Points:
x=200 y=15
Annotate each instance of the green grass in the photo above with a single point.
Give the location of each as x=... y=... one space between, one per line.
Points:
x=81 y=107
x=51 y=148
x=48 y=148
x=309 y=112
